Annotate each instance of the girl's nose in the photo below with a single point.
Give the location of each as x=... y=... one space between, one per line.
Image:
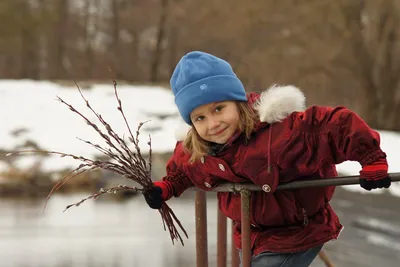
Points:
x=212 y=123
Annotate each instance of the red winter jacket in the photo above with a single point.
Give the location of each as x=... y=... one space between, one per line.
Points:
x=304 y=145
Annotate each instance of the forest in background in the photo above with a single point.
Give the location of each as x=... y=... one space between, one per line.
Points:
x=339 y=52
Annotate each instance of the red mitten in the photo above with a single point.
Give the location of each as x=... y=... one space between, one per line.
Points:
x=375 y=175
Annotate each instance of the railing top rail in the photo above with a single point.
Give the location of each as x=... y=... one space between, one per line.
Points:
x=337 y=181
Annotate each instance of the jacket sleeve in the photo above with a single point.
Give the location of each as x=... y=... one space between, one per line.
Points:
x=333 y=135
x=176 y=180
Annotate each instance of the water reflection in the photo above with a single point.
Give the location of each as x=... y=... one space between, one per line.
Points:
x=95 y=234
x=129 y=234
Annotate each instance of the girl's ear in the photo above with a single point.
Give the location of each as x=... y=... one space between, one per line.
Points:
x=181 y=129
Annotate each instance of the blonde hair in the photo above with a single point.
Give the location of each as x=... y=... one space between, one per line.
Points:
x=198 y=147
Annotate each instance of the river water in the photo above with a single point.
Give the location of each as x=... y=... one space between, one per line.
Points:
x=109 y=233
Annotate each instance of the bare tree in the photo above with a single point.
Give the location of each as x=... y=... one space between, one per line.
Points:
x=322 y=46
x=29 y=59
x=115 y=36
x=161 y=28
x=371 y=53
x=89 y=34
x=353 y=47
x=58 y=66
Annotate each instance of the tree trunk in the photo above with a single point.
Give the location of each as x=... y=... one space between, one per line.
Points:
x=173 y=48
x=115 y=37
x=59 y=68
x=88 y=36
x=134 y=75
x=29 y=58
x=160 y=38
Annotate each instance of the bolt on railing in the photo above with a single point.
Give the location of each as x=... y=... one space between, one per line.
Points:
x=245 y=191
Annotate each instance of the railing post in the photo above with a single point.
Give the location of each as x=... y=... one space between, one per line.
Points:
x=322 y=255
x=201 y=229
x=234 y=252
x=246 y=242
x=221 y=240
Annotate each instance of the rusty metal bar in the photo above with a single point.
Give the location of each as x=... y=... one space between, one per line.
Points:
x=322 y=255
x=201 y=229
x=221 y=239
x=337 y=181
x=245 y=224
x=244 y=189
x=235 y=261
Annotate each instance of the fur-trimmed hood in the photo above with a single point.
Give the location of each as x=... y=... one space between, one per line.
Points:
x=273 y=105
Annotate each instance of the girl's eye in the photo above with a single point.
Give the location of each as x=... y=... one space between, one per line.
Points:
x=200 y=118
x=218 y=108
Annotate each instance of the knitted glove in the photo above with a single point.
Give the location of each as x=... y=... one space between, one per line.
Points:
x=156 y=195
x=375 y=175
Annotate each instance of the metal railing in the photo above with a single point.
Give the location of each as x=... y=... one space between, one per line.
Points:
x=245 y=192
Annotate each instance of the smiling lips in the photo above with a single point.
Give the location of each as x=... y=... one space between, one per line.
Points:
x=220 y=132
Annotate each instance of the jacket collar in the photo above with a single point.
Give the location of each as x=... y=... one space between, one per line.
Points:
x=214 y=148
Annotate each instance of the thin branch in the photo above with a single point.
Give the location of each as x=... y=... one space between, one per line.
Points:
x=128 y=164
x=112 y=190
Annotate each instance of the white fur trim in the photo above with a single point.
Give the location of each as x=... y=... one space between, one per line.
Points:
x=277 y=102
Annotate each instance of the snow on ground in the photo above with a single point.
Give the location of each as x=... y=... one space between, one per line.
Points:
x=31 y=113
x=390 y=143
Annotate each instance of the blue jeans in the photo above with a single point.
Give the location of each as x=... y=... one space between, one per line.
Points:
x=272 y=259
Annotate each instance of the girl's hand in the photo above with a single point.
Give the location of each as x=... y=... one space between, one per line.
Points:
x=153 y=197
x=375 y=175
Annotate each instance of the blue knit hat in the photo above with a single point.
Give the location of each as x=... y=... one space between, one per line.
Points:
x=201 y=78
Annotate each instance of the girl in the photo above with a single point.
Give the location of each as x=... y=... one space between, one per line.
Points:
x=266 y=139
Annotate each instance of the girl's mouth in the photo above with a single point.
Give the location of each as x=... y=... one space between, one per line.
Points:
x=220 y=132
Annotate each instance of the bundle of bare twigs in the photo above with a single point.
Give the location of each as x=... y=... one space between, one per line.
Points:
x=121 y=160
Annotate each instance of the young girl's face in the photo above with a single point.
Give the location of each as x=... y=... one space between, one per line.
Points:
x=216 y=122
